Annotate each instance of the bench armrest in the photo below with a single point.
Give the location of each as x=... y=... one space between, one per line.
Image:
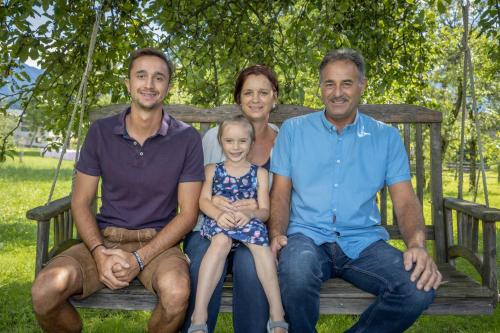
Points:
x=464 y=241
x=478 y=211
x=52 y=209
x=57 y=214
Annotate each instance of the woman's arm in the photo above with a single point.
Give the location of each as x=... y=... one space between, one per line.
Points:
x=223 y=218
x=262 y=210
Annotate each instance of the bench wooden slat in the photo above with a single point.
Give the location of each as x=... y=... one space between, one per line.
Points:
x=419 y=163
x=393 y=113
x=459 y=294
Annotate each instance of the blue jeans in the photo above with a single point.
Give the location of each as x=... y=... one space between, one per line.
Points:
x=250 y=307
x=379 y=270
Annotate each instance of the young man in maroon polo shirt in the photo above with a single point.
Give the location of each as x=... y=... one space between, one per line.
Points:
x=150 y=164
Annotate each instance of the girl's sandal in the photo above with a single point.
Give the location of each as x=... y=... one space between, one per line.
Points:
x=198 y=328
x=271 y=325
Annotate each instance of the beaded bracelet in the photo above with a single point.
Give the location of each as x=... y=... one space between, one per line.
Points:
x=139 y=260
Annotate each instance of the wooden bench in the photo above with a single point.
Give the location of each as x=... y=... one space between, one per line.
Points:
x=459 y=228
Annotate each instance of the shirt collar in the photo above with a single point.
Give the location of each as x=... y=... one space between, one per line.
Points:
x=331 y=127
x=121 y=129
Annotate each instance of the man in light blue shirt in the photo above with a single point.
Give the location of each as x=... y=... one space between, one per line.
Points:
x=328 y=167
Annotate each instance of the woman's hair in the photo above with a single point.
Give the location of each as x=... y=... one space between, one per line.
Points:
x=239 y=119
x=255 y=70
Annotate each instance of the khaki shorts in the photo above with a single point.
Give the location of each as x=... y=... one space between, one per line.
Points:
x=127 y=240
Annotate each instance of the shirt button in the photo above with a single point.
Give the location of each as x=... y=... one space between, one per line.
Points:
x=135 y=143
x=141 y=153
x=338 y=161
x=335 y=185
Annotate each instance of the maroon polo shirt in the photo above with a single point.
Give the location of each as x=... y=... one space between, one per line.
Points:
x=139 y=183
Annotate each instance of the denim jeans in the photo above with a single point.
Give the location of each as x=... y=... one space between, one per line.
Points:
x=379 y=270
x=250 y=307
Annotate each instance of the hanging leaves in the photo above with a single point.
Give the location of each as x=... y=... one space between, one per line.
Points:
x=211 y=41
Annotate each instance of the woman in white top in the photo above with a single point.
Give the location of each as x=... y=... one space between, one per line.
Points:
x=256 y=91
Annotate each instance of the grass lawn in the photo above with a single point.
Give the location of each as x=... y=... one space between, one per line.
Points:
x=27 y=184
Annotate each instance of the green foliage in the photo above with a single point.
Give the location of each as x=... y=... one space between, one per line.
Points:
x=210 y=42
x=412 y=49
x=7 y=123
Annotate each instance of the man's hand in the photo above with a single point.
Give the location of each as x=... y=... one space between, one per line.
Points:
x=425 y=273
x=124 y=273
x=105 y=263
x=226 y=220
x=277 y=243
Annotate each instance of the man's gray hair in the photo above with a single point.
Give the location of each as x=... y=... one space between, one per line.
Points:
x=344 y=55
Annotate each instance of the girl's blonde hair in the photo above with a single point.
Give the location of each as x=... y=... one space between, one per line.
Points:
x=239 y=119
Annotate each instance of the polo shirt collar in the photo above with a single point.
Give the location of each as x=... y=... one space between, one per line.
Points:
x=120 y=128
x=331 y=127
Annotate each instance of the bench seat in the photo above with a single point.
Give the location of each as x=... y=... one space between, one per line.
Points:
x=459 y=294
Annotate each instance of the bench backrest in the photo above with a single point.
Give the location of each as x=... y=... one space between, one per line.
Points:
x=420 y=129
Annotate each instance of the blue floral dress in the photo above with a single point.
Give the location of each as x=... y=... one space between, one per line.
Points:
x=236 y=188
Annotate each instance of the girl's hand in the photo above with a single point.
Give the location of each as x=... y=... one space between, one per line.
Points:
x=226 y=220
x=222 y=203
x=241 y=219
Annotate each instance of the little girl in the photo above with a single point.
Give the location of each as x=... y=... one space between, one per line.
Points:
x=236 y=179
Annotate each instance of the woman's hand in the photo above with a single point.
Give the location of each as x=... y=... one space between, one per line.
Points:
x=245 y=204
x=222 y=203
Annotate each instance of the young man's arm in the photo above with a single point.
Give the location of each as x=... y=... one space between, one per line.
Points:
x=81 y=202
x=411 y=224
x=188 y=194
x=280 y=212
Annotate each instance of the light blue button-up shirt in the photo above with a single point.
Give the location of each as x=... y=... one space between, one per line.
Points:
x=336 y=177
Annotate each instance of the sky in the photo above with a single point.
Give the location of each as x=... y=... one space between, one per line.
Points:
x=35 y=23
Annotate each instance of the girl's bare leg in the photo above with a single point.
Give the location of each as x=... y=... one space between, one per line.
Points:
x=210 y=271
x=266 y=270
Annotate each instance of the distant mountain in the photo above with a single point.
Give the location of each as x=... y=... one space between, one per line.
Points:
x=32 y=72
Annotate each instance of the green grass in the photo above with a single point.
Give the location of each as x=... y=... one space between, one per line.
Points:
x=26 y=185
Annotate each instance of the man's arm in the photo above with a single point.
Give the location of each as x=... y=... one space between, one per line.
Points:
x=81 y=201
x=411 y=224
x=188 y=194
x=280 y=212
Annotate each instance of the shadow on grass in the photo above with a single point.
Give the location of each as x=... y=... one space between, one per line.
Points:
x=104 y=321
x=17 y=234
x=16 y=314
x=25 y=173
